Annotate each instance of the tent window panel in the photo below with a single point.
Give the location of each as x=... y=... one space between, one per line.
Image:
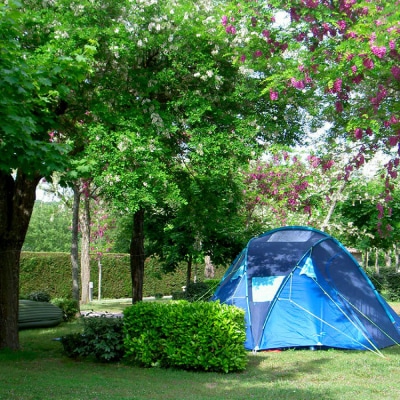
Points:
x=265 y=288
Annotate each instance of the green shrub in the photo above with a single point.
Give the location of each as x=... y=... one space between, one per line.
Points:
x=193 y=336
x=179 y=295
x=39 y=295
x=69 y=307
x=387 y=283
x=198 y=291
x=102 y=337
x=73 y=345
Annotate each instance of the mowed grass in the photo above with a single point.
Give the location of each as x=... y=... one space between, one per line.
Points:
x=40 y=371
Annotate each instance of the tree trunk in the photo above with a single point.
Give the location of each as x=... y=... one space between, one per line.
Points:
x=137 y=256
x=396 y=257
x=388 y=259
x=17 y=198
x=100 y=268
x=209 y=270
x=189 y=271
x=74 y=244
x=85 y=250
x=377 y=270
x=332 y=206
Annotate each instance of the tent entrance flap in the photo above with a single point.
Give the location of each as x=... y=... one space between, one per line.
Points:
x=300 y=287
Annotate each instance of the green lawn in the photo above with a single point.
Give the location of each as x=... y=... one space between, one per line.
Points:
x=40 y=371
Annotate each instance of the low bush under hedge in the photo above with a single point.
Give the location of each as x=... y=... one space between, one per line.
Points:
x=102 y=338
x=194 y=336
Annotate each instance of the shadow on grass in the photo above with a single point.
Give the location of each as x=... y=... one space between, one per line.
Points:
x=272 y=370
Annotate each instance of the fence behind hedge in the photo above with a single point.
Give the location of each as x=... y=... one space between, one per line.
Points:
x=51 y=272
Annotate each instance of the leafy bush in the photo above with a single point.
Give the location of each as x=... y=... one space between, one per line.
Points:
x=179 y=295
x=194 y=336
x=40 y=295
x=102 y=337
x=387 y=283
x=199 y=291
x=73 y=345
x=69 y=307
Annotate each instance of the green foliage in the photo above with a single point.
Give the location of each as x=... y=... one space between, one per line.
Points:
x=198 y=291
x=387 y=283
x=69 y=307
x=192 y=336
x=102 y=338
x=49 y=228
x=39 y=296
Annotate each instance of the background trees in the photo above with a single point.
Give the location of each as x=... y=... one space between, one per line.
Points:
x=162 y=106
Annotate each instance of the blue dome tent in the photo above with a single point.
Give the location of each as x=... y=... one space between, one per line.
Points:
x=300 y=287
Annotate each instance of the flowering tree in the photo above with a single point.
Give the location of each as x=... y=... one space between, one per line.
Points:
x=338 y=59
x=180 y=110
x=290 y=189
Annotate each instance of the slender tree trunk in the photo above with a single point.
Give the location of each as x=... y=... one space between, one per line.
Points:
x=100 y=268
x=333 y=205
x=17 y=198
x=209 y=270
x=396 y=258
x=189 y=271
x=85 y=250
x=377 y=270
x=137 y=256
x=388 y=258
x=74 y=243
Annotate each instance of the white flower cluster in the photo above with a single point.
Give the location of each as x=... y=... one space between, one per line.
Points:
x=157 y=120
x=78 y=9
x=124 y=144
x=111 y=179
x=61 y=35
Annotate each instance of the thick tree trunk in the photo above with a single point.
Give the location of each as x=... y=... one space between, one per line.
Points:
x=17 y=198
x=74 y=244
x=85 y=250
x=137 y=256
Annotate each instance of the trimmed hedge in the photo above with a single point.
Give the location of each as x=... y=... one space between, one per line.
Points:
x=193 y=336
x=51 y=273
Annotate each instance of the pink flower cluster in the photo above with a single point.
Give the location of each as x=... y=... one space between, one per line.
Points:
x=298 y=84
x=273 y=95
x=379 y=51
x=311 y=3
x=228 y=28
x=377 y=100
x=395 y=70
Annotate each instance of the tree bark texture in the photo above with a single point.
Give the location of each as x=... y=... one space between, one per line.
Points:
x=85 y=250
x=17 y=198
x=75 y=243
x=137 y=256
